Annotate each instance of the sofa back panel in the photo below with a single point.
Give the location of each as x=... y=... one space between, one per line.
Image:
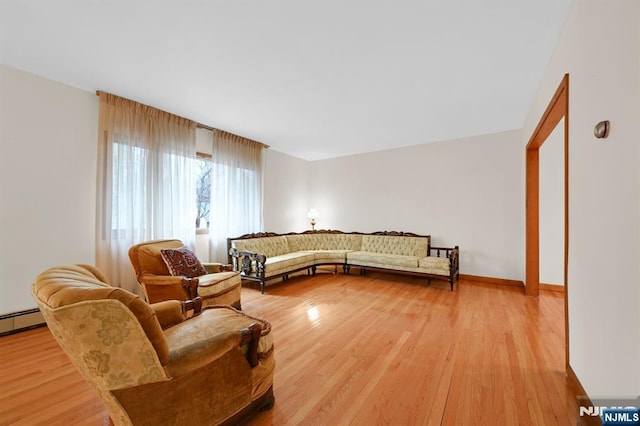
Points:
x=324 y=241
x=399 y=245
x=269 y=246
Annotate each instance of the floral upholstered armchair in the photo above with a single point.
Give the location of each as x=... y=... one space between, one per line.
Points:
x=169 y=271
x=154 y=364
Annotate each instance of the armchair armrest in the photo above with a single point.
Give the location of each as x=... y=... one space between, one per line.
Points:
x=172 y=312
x=169 y=313
x=194 y=305
x=251 y=335
x=189 y=285
x=243 y=261
x=215 y=267
x=212 y=267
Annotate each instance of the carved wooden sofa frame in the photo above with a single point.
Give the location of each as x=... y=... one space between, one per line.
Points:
x=440 y=263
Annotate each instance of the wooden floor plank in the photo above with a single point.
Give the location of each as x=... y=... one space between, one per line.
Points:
x=378 y=349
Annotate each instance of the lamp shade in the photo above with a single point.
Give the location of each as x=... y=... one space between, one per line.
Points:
x=313 y=214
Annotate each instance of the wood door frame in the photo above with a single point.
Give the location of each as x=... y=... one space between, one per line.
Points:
x=557 y=109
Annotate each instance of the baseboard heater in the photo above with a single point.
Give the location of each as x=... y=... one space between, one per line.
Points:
x=21 y=321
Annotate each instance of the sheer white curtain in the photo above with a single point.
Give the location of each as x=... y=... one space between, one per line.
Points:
x=236 y=190
x=145 y=183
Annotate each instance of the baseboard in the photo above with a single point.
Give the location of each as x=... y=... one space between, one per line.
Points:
x=490 y=280
x=511 y=283
x=20 y=321
x=582 y=399
x=551 y=287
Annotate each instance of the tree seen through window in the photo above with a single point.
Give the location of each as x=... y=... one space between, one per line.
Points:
x=203 y=191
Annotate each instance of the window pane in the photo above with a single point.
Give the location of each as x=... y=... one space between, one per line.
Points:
x=128 y=181
x=203 y=192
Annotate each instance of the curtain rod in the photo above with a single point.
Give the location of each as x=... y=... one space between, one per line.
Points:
x=202 y=126
x=213 y=129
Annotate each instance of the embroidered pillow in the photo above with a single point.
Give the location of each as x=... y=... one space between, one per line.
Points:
x=182 y=262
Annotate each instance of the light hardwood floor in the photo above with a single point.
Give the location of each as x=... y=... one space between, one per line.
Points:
x=380 y=349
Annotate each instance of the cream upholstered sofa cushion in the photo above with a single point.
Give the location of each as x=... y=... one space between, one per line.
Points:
x=277 y=265
x=363 y=258
x=388 y=251
x=324 y=241
x=326 y=247
x=269 y=246
x=287 y=262
x=402 y=246
x=435 y=265
x=329 y=256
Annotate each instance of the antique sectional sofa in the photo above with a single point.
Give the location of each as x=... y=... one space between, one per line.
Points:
x=263 y=256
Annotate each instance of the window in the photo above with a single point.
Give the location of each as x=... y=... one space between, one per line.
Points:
x=146 y=173
x=203 y=190
x=128 y=187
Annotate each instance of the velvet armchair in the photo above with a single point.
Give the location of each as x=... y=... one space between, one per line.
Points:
x=155 y=364
x=216 y=286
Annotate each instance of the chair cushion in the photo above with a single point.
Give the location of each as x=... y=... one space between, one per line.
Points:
x=212 y=284
x=182 y=262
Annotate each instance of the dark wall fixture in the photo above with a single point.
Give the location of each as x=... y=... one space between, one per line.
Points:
x=601 y=130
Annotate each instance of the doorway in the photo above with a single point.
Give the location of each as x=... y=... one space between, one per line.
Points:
x=556 y=112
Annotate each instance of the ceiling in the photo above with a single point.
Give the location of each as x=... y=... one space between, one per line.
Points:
x=313 y=79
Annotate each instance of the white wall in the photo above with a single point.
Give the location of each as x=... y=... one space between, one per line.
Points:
x=286 y=193
x=47 y=181
x=551 y=208
x=600 y=49
x=467 y=192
